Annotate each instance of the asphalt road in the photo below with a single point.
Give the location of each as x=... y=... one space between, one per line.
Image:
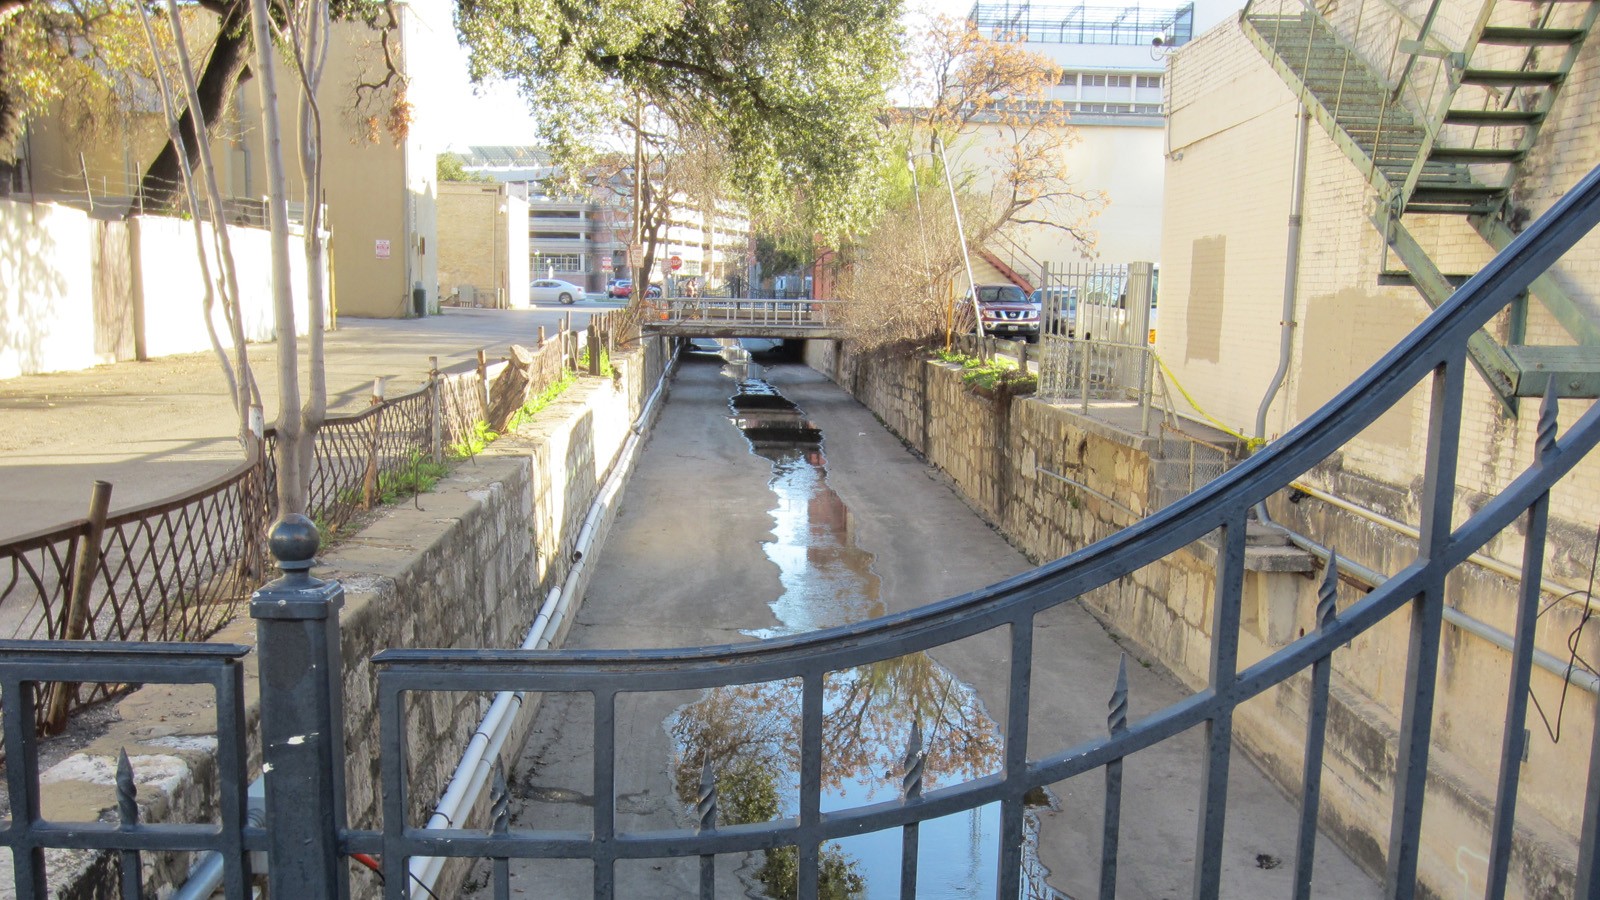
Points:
x=690 y=561
x=154 y=429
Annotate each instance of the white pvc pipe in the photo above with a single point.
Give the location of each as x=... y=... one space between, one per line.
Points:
x=477 y=761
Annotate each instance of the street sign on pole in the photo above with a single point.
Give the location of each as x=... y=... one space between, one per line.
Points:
x=676 y=263
x=635 y=255
x=605 y=263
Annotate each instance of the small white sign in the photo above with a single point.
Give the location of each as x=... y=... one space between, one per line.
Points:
x=381 y=248
x=605 y=263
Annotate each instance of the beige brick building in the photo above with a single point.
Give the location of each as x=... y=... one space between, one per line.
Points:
x=482 y=235
x=1226 y=251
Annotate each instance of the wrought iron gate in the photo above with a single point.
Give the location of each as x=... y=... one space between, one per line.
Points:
x=301 y=721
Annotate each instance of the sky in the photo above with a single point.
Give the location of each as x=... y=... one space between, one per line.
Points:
x=467 y=115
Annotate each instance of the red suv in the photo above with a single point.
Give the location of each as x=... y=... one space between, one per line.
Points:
x=1007 y=311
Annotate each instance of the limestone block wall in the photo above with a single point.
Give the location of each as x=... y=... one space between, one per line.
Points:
x=465 y=565
x=1013 y=463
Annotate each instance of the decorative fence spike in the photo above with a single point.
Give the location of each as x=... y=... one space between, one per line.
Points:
x=499 y=800
x=911 y=781
x=1117 y=716
x=705 y=805
x=1545 y=439
x=1328 y=592
x=131 y=867
x=127 y=792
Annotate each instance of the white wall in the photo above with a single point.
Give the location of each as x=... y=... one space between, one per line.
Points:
x=67 y=301
x=170 y=283
x=46 y=289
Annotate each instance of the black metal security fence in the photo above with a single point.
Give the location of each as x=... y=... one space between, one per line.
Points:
x=179 y=568
x=301 y=720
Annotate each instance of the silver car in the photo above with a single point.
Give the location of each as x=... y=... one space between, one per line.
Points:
x=545 y=290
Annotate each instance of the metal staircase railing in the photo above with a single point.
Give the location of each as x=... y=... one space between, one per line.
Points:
x=1415 y=115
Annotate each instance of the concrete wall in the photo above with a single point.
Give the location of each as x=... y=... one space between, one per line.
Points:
x=466 y=565
x=997 y=453
x=1121 y=160
x=77 y=291
x=171 y=287
x=47 y=298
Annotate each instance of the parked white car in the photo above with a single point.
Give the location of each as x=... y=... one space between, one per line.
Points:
x=545 y=290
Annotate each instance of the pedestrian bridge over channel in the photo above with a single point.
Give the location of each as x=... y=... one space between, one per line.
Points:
x=727 y=317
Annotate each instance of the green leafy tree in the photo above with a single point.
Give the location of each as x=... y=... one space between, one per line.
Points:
x=451 y=169
x=791 y=88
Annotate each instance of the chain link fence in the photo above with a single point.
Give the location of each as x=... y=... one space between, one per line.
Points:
x=179 y=569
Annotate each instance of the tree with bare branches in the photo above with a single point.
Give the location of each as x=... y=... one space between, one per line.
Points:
x=987 y=102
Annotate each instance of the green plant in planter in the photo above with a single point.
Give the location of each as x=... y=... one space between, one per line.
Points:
x=994 y=375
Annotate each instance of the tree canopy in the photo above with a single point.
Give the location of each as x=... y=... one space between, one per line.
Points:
x=450 y=169
x=794 y=88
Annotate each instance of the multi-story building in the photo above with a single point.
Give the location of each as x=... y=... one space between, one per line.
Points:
x=1113 y=62
x=585 y=239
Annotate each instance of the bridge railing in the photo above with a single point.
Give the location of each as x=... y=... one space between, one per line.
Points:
x=739 y=311
x=301 y=722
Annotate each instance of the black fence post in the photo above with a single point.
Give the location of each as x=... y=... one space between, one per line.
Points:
x=302 y=725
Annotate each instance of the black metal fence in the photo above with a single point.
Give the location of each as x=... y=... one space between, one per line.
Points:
x=179 y=568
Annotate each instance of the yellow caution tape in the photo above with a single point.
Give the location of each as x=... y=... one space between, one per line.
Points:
x=1251 y=442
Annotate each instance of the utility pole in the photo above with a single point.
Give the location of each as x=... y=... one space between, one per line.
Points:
x=639 y=289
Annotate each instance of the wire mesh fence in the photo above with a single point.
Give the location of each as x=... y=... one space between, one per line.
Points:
x=179 y=569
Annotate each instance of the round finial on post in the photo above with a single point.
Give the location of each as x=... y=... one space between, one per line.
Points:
x=294 y=541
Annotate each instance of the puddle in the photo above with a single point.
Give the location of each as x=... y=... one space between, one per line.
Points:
x=751 y=733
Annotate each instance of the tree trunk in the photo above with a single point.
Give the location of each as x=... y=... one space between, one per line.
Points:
x=510 y=391
x=293 y=486
x=160 y=188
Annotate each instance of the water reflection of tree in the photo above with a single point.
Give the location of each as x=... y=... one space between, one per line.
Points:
x=750 y=734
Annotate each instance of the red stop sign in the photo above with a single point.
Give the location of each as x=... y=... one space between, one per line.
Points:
x=675 y=262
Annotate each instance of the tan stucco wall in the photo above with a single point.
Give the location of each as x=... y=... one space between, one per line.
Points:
x=1232 y=131
x=1122 y=161
x=1227 y=208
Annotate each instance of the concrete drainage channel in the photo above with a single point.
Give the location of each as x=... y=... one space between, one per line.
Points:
x=472 y=773
x=477 y=762
x=746 y=733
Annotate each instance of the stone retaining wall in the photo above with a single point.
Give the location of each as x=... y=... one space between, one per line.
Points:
x=1013 y=460
x=465 y=565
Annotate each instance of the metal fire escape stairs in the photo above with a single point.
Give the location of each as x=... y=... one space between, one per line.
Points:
x=1446 y=137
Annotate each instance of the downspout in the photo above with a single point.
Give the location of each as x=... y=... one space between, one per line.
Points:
x=1291 y=272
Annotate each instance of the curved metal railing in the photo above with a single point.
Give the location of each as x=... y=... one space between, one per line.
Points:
x=1434 y=354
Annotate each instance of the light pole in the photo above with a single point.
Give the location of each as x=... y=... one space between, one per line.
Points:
x=961 y=231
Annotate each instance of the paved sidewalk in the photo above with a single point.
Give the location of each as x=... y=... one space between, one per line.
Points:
x=154 y=429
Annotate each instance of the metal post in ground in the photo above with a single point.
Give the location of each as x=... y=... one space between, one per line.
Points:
x=84 y=568
x=435 y=419
x=302 y=719
x=483 y=382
